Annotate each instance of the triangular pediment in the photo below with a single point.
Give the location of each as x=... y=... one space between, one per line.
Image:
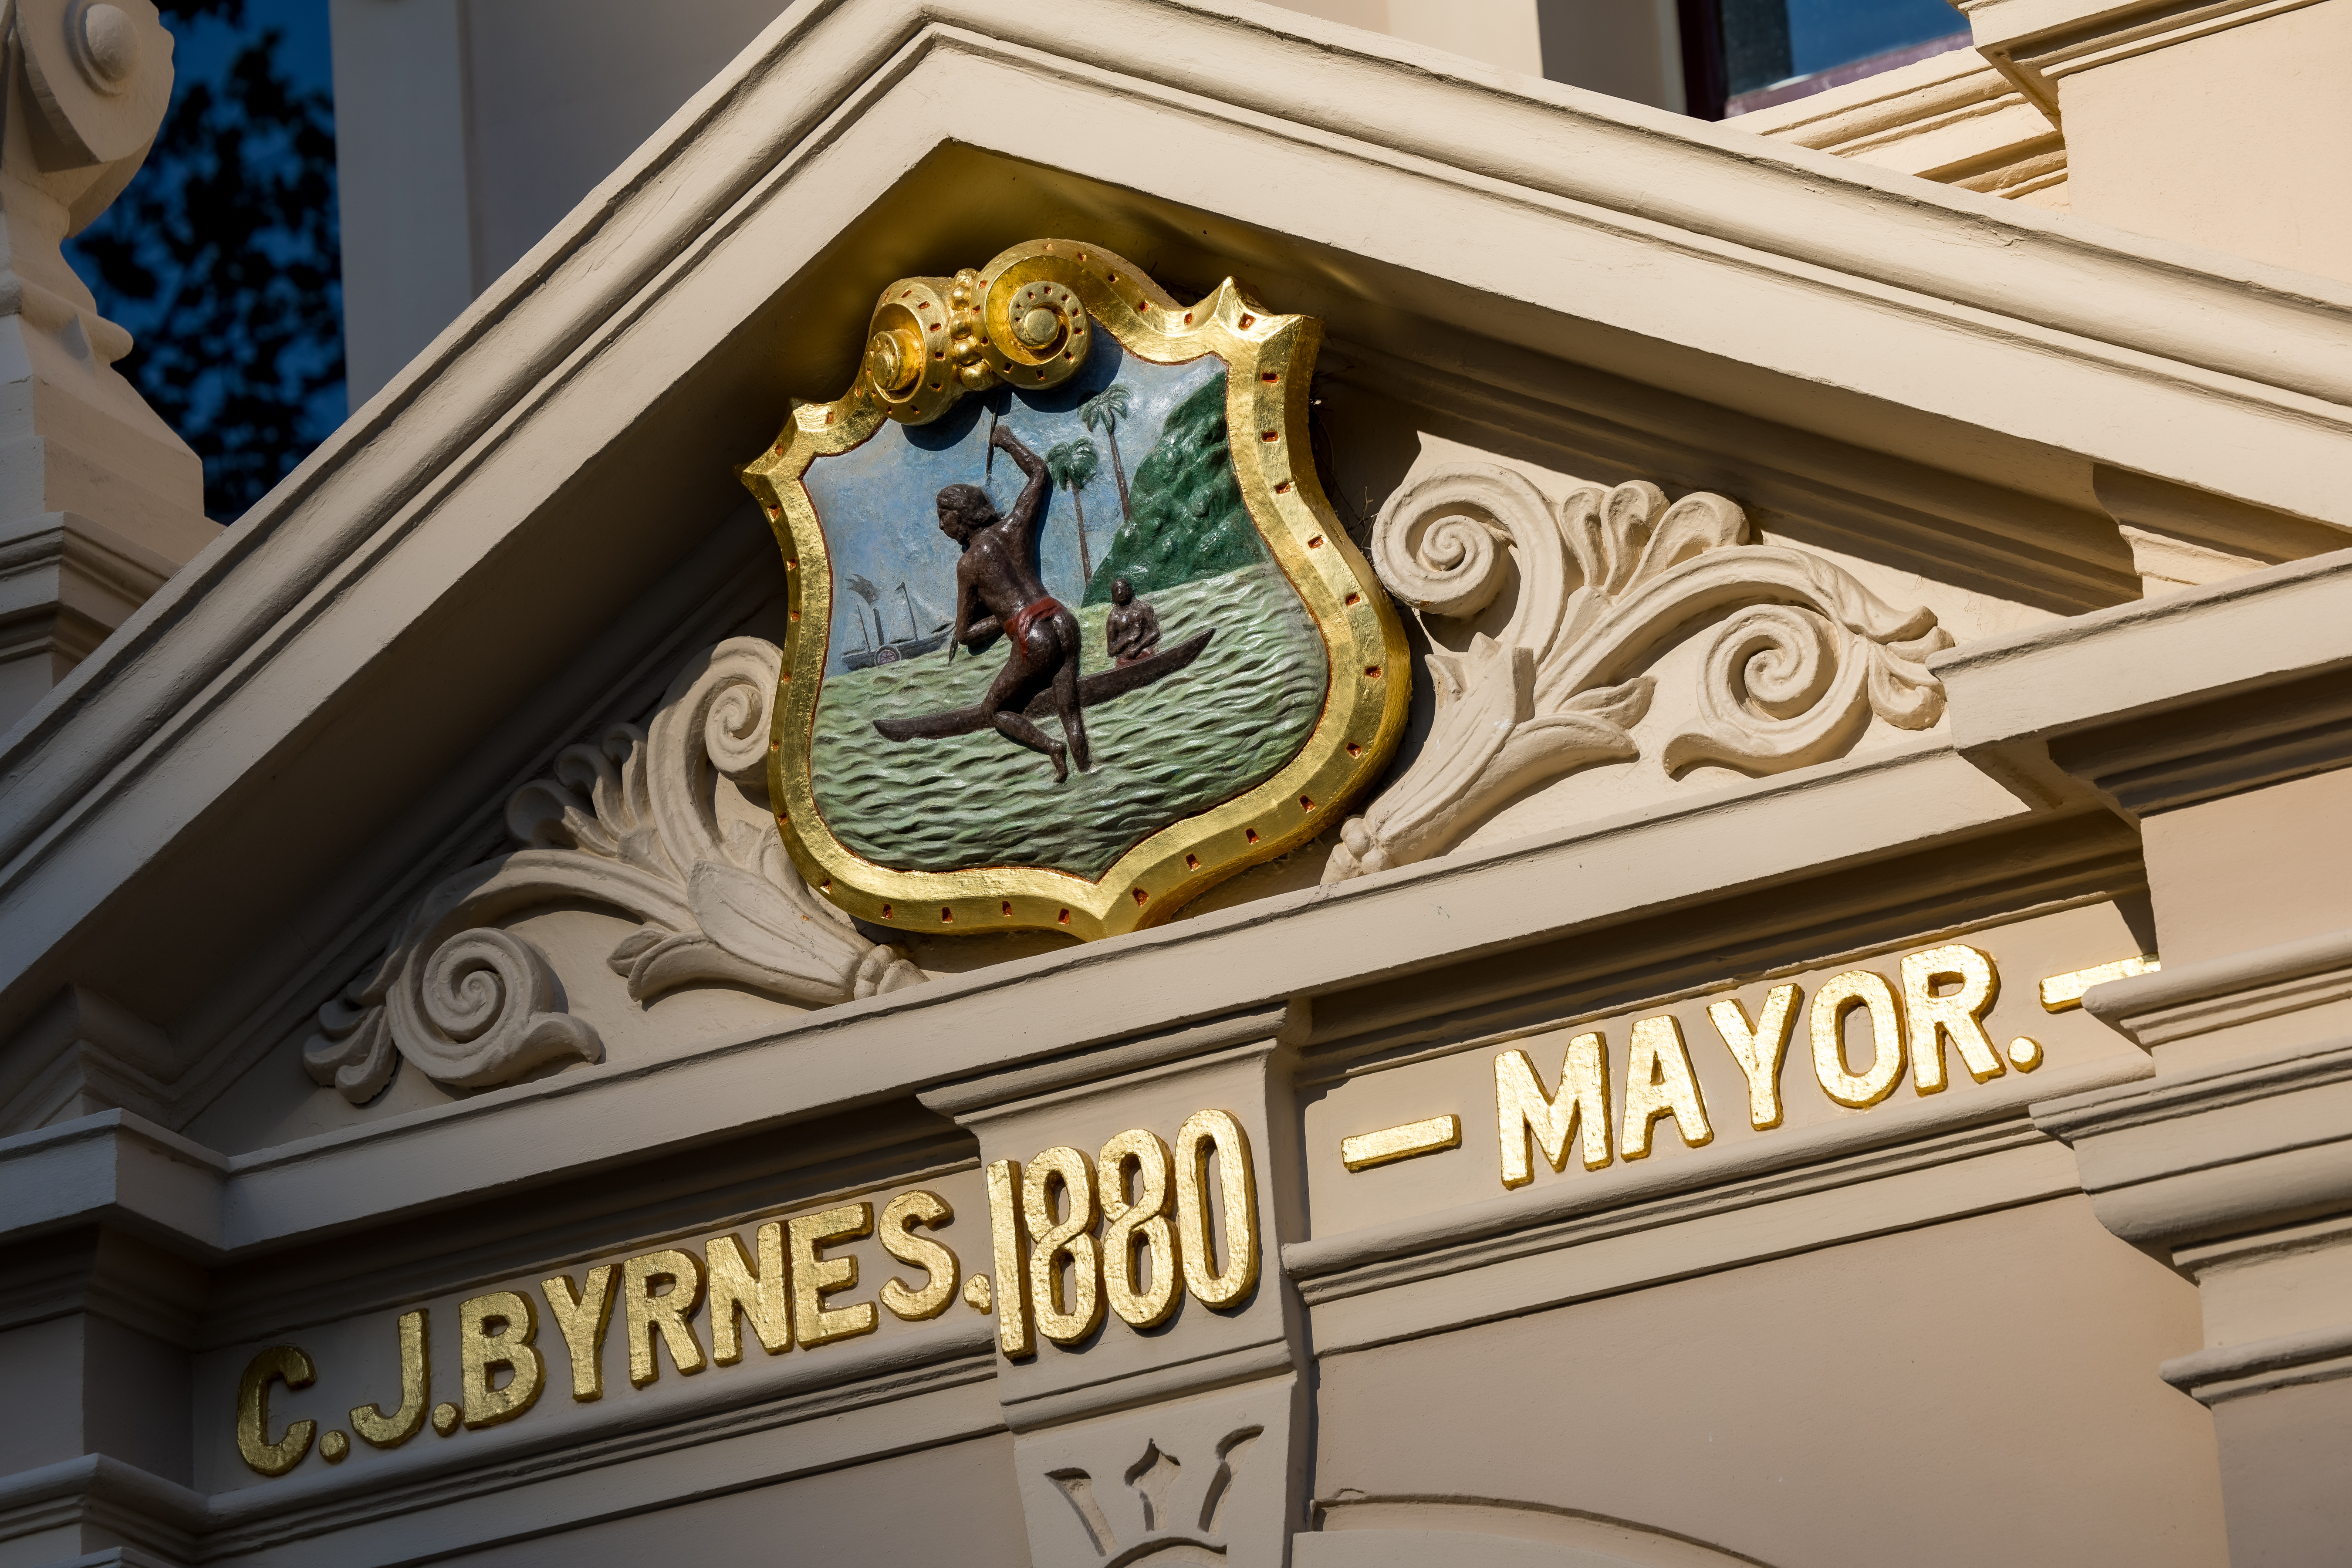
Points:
x=224 y=817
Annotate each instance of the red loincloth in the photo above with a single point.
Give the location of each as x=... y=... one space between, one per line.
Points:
x=1028 y=616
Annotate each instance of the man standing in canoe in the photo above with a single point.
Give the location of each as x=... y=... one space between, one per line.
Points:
x=998 y=589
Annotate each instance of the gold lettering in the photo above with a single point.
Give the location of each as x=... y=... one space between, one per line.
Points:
x=815 y=1276
x=1138 y=1221
x=762 y=1298
x=1013 y=1336
x=581 y=1318
x=1061 y=1320
x=1857 y=988
x=1206 y=1132
x=1760 y=1049
x=278 y=1363
x=1522 y=1108
x=494 y=1331
x=390 y=1431
x=665 y=1309
x=1658 y=1081
x=900 y=1218
x=1930 y=1017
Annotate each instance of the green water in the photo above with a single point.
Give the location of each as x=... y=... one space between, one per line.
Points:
x=1227 y=721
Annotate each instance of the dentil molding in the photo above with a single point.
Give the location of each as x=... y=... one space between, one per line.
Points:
x=630 y=822
x=1604 y=581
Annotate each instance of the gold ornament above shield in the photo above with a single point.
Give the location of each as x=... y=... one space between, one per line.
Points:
x=1074 y=632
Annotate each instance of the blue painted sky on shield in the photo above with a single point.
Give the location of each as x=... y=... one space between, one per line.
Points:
x=879 y=503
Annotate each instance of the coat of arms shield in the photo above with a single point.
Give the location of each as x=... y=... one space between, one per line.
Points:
x=1074 y=632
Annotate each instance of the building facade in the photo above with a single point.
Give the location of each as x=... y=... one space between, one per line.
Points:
x=1792 y=1007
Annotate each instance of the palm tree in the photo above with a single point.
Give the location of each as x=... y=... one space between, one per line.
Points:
x=1104 y=410
x=1070 y=466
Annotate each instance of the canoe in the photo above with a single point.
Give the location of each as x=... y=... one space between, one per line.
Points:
x=1095 y=689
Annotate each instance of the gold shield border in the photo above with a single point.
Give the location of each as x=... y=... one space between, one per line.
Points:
x=931 y=341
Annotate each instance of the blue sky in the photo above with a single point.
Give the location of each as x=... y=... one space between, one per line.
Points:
x=204 y=48
x=878 y=502
x=1826 y=33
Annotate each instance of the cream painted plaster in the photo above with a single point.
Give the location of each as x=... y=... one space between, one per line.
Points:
x=1501 y=33
x=888 y=1511
x=400 y=171
x=2238 y=140
x=2283 y=1467
x=1626 y=48
x=2296 y=1283
x=1743 y=1408
x=2251 y=869
x=1953 y=118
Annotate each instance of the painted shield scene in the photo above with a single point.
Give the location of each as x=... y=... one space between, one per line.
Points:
x=1055 y=629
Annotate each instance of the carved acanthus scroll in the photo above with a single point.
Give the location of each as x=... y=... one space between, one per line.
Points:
x=631 y=822
x=1608 y=580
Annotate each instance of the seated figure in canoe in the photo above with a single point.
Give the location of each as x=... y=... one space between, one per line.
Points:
x=1132 y=630
x=999 y=591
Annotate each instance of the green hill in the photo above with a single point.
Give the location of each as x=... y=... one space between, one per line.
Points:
x=1188 y=520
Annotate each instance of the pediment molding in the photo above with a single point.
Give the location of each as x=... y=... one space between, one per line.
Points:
x=600 y=393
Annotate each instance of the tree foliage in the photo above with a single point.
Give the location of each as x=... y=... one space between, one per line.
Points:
x=1072 y=466
x=223 y=259
x=1190 y=521
x=1103 y=411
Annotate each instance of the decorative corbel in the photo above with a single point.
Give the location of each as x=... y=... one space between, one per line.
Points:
x=631 y=822
x=1798 y=656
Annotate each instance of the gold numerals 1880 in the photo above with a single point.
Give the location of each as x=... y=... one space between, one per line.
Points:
x=1076 y=1234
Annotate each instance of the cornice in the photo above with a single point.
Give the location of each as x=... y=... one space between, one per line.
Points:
x=2223 y=1373
x=2192 y=999
x=2162 y=702
x=144 y=1510
x=2252 y=1141
x=115 y=1168
x=2175 y=1097
x=2038 y=43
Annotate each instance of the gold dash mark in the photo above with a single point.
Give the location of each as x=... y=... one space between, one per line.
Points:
x=2061 y=993
x=1365 y=1150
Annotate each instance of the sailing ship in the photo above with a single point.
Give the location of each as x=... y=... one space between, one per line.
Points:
x=881 y=648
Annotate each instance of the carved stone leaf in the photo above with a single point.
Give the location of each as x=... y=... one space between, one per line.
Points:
x=1797 y=656
x=483 y=1008
x=1549 y=746
x=749 y=918
x=352 y=1051
x=1902 y=690
x=624 y=957
x=688 y=958
x=549 y=816
x=1691 y=527
x=1623 y=705
x=632 y=823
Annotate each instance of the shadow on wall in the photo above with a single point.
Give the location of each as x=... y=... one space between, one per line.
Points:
x=1354 y=1530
